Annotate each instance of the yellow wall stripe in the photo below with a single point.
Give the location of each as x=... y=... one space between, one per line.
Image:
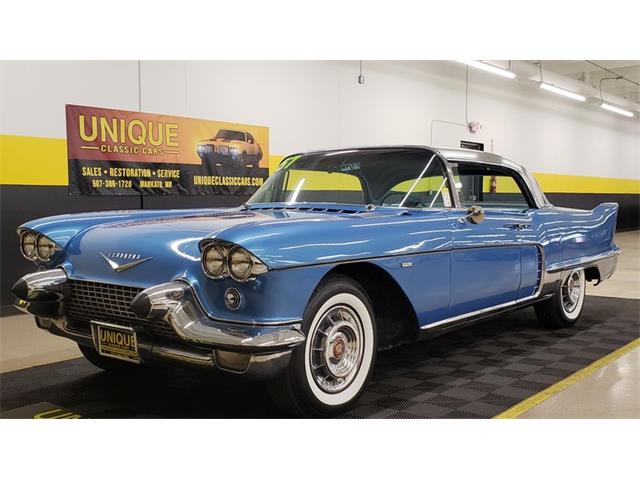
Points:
x=556 y=183
x=43 y=161
x=33 y=161
x=528 y=403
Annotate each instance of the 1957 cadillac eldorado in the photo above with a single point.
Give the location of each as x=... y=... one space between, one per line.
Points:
x=338 y=255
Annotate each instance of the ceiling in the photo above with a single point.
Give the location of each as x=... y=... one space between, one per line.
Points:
x=592 y=74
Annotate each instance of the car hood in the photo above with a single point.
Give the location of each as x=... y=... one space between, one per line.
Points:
x=170 y=243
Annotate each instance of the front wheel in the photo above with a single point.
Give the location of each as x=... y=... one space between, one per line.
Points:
x=564 y=308
x=328 y=373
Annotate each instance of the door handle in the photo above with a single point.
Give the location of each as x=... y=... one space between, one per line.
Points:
x=517 y=226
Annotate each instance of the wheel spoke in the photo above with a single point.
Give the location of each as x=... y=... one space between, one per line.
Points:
x=336 y=349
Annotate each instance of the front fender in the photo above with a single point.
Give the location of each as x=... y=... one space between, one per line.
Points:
x=275 y=297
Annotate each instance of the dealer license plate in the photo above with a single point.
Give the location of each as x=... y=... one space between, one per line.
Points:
x=116 y=341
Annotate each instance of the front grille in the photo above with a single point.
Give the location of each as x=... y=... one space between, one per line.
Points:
x=104 y=302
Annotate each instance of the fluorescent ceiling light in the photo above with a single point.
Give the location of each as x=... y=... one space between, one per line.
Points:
x=489 y=68
x=620 y=111
x=562 y=91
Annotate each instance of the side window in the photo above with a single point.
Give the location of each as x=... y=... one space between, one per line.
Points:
x=250 y=138
x=490 y=187
x=430 y=190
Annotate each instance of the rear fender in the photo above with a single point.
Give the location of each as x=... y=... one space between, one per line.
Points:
x=591 y=234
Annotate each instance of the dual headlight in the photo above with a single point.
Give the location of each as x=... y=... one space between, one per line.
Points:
x=220 y=260
x=35 y=246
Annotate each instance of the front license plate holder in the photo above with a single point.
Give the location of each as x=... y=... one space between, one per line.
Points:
x=115 y=341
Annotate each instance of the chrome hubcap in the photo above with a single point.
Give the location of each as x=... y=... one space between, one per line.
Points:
x=572 y=291
x=336 y=349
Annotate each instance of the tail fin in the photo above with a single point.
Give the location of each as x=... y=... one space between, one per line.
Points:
x=608 y=212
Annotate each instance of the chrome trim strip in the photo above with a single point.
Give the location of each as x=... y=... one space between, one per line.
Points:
x=583 y=261
x=398 y=255
x=467 y=315
x=183 y=356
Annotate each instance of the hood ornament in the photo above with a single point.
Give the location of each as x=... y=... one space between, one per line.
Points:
x=119 y=267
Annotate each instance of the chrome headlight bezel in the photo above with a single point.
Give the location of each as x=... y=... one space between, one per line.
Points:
x=248 y=261
x=32 y=255
x=219 y=249
x=257 y=267
x=48 y=245
x=39 y=242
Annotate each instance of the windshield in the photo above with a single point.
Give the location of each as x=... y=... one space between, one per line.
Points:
x=384 y=177
x=230 y=135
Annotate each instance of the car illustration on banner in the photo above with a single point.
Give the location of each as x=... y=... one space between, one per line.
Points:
x=340 y=254
x=237 y=146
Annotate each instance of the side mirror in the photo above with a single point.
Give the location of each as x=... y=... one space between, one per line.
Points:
x=475 y=215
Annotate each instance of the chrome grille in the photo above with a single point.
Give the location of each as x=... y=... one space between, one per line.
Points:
x=104 y=302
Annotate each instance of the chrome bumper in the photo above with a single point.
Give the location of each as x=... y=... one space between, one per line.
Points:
x=605 y=263
x=176 y=304
x=256 y=350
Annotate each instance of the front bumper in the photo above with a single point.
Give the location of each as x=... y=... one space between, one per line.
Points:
x=256 y=350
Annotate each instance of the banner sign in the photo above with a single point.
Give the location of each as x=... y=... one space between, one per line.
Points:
x=118 y=152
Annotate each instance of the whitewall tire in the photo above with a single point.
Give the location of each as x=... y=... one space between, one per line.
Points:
x=565 y=307
x=328 y=373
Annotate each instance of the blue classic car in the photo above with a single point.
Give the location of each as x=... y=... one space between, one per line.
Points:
x=338 y=255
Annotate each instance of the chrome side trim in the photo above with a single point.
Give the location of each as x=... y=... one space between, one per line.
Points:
x=583 y=261
x=398 y=255
x=466 y=315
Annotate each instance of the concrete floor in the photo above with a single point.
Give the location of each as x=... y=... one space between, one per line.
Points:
x=611 y=392
x=24 y=345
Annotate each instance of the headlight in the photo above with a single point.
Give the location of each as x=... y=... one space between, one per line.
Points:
x=214 y=260
x=223 y=259
x=240 y=263
x=28 y=244
x=46 y=248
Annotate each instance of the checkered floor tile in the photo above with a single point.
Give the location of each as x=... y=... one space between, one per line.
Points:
x=476 y=372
